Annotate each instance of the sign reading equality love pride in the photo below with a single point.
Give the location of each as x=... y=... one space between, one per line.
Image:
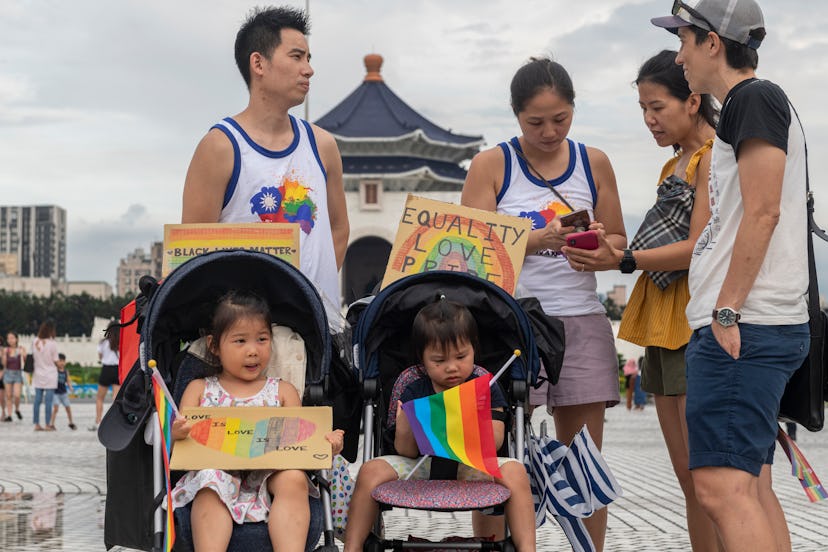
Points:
x=247 y=438
x=182 y=242
x=434 y=235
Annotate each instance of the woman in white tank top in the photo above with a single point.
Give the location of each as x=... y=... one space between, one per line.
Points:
x=517 y=178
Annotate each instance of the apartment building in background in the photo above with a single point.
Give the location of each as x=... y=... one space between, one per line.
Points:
x=136 y=264
x=33 y=241
x=618 y=295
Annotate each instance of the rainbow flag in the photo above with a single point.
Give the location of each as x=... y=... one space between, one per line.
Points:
x=801 y=469
x=166 y=414
x=457 y=424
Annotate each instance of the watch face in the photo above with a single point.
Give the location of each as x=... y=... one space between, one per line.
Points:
x=628 y=264
x=726 y=317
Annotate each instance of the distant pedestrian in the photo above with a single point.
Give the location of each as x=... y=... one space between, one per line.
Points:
x=64 y=385
x=631 y=376
x=108 y=355
x=3 y=415
x=639 y=395
x=44 y=377
x=13 y=357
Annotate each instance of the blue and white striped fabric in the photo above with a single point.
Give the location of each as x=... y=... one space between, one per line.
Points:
x=569 y=483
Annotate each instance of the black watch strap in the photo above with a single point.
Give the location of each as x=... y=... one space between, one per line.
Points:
x=627 y=264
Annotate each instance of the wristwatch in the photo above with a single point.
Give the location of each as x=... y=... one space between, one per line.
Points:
x=726 y=317
x=627 y=264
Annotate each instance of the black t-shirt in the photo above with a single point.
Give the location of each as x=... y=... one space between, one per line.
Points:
x=755 y=108
x=61 y=383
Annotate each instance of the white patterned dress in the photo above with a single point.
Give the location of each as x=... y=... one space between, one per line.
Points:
x=244 y=492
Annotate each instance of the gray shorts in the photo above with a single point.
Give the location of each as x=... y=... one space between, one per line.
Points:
x=62 y=399
x=590 y=366
x=12 y=376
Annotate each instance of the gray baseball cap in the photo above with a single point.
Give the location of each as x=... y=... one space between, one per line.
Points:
x=737 y=20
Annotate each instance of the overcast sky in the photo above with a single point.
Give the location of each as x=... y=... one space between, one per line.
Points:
x=102 y=103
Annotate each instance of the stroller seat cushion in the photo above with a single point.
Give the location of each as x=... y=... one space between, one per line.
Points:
x=445 y=495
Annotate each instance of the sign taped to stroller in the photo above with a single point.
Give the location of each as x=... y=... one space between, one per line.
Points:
x=182 y=242
x=245 y=438
x=434 y=235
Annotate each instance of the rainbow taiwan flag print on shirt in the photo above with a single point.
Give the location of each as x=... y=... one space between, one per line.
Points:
x=457 y=424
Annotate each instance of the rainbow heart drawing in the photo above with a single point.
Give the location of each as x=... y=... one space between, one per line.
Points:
x=250 y=439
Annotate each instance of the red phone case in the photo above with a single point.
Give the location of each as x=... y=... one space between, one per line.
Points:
x=583 y=240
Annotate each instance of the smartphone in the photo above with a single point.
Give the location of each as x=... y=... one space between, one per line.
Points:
x=583 y=240
x=579 y=219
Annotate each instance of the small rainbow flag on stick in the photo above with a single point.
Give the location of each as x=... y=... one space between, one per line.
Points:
x=801 y=469
x=167 y=412
x=457 y=424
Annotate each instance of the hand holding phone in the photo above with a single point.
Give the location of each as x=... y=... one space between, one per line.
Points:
x=583 y=240
x=579 y=219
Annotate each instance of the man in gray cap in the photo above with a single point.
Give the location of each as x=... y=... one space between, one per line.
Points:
x=748 y=274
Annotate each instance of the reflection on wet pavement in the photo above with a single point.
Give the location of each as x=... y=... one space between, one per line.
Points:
x=50 y=521
x=53 y=489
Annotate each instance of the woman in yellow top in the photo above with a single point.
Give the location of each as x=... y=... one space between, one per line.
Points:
x=654 y=317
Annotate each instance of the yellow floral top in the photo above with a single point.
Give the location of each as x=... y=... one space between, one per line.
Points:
x=654 y=317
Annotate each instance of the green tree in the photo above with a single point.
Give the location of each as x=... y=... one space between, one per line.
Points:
x=72 y=314
x=613 y=311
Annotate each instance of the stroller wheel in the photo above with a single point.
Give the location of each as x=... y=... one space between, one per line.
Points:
x=373 y=544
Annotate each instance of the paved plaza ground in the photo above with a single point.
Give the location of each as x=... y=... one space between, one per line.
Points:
x=53 y=489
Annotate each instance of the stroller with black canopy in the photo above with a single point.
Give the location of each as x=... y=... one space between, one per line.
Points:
x=176 y=311
x=382 y=353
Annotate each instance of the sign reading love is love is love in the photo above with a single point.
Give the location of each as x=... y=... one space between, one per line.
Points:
x=246 y=438
x=434 y=235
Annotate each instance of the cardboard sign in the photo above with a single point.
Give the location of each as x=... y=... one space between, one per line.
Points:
x=434 y=235
x=253 y=438
x=182 y=242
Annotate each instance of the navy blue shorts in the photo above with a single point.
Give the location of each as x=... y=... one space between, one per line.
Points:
x=732 y=405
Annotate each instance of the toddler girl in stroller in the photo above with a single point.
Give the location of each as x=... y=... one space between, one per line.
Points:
x=240 y=341
x=174 y=313
x=444 y=338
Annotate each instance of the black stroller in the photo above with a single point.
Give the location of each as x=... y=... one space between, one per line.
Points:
x=382 y=353
x=175 y=312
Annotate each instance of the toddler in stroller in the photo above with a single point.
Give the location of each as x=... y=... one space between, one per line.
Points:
x=173 y=313
x=240 y=342
x=443 y=337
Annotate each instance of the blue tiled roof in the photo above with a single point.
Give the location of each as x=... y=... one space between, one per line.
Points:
x=374 y=111
x=397 y=165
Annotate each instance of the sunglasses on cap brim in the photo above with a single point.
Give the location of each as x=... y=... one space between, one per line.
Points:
x=679 y=5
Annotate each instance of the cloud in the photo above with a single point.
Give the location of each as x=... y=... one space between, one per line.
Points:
x=112 y=239
x=102 y=104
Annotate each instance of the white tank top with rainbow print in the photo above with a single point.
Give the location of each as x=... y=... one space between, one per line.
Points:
x=285 y=186
x=546 y=274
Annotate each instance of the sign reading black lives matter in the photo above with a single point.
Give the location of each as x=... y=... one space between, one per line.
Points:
x=182 y=242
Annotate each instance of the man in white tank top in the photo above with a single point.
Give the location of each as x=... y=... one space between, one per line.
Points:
x=265 y=165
